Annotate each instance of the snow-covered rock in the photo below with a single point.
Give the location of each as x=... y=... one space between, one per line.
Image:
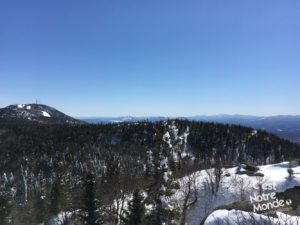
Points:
x=233 y=217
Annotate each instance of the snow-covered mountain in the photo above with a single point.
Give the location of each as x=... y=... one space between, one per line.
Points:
x=119 y=119
x=35 y=113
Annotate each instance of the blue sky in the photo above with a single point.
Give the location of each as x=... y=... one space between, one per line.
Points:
x=149 y=58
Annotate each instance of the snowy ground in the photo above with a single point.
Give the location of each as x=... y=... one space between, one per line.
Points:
x=225 y=217
x=60 y=219
x=232 y=186
x=275 y=175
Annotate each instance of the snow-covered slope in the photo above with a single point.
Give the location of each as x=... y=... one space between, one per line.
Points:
x=35 y=112
x=232 y=185
x=236 y=217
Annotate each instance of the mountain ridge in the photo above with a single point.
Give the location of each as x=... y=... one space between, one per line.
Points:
x=285 y=126
x=35 y=113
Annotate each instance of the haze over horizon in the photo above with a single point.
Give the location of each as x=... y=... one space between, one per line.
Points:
x=153 y=58
x=178 y=116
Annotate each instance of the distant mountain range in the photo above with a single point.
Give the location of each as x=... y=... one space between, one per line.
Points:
x=35 y=113
x=285 y=126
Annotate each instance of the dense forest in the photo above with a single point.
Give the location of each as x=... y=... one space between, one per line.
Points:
x=90 y=170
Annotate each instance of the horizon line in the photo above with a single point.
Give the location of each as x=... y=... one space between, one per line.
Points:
x=174 y=117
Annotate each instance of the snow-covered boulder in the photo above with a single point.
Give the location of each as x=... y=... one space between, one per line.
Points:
x=233 y=217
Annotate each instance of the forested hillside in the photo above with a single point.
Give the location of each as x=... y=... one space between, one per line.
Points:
x=45 y=167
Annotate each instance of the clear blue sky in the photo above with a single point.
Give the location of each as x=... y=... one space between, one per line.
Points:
x=147 y=58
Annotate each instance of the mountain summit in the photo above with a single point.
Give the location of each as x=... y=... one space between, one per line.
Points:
x=35 y=113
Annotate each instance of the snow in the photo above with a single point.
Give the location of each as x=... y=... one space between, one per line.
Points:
x=232 y=217
x=162 y=188
x=4 y=179
x=21 y=106
x=164 y=162
x=11 y=177
x=164 y=201
x=230 y=188
x=167 y=139
x=177 y=142
x=165 y=177
x=46 y=114
x=241 y=168
x=28 y=107
x=254 y=132
x=229 y=192
x=60 y=219
x=116 y=121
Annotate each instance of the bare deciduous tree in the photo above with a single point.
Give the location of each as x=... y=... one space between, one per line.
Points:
x=214 y=178
x=189 y=195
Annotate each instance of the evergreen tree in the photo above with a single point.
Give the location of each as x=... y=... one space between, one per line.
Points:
x=171 y=163
x=112 y=167
x=161 y=186
x=4 y=208
x=149 y=164
x=290 y=170
x=39 y=207
x=136 y=210
x=55 y=196
x=90 y=208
